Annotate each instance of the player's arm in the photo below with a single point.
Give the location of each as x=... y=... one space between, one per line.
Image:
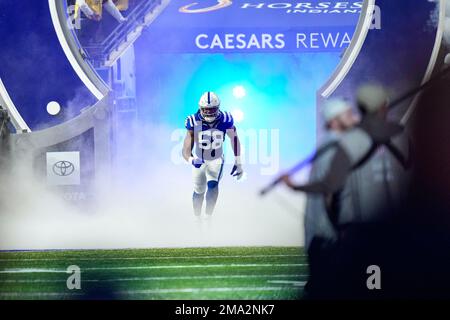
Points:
x=333 y=180
x=187 y=150
x=236 y=146
x=188 y=145
x=235 y=143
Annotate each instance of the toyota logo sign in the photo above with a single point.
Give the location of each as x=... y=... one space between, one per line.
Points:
x=63 y=168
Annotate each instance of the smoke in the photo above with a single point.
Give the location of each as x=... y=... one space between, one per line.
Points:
x=148 y=204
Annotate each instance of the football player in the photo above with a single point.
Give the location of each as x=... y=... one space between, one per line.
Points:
x=203 y=149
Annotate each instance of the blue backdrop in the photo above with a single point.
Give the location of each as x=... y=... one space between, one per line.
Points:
x=247 y=26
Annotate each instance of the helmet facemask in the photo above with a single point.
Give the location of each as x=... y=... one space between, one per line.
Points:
x=209 y=113
x=209 y=105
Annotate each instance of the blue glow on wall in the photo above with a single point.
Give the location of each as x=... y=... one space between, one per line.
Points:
x=280 y=91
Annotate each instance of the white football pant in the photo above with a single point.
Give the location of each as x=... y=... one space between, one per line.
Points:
x=211 y=170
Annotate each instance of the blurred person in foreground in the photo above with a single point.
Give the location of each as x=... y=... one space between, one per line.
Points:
x=354 y=148
x=320 y=229
x=358 y=196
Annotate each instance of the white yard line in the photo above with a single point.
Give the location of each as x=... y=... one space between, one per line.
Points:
x=38 y=294
x=168 y=278
x=153 y=258
x=32 y=270
x=187 y=266
x=294 y=283
x=200 y=290
x=143 y=292
x=231 y=265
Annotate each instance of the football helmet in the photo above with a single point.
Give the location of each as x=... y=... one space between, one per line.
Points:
x=209 y=105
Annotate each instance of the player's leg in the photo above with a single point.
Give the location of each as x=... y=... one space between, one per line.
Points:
x=197 y=201
x=214 y=171
x=211 y=196
x=199 y=179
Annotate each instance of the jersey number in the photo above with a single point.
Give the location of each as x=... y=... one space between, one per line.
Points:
x=210 y=140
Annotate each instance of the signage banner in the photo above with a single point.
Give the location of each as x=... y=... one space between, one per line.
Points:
x=241 y=26
x=63 y=168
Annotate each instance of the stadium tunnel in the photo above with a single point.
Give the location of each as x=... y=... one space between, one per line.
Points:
x=84 y=79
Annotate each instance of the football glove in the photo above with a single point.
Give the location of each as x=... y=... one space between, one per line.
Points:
x=196 y=162
x=237 y=170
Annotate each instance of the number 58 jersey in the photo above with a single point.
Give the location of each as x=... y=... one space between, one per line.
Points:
x=209 y=137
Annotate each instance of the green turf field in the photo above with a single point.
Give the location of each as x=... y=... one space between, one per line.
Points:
x=200 y=273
